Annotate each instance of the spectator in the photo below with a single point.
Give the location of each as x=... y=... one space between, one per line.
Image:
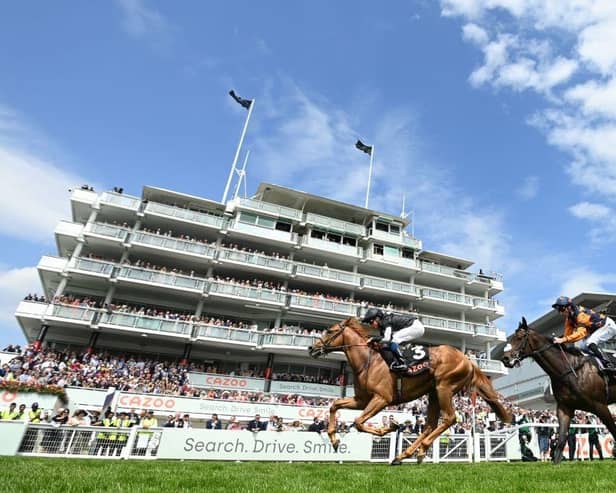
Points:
x=256 y=425
x=317 y=425
x=213 y=423
x=593 y=440
x=543 y=436
x=10 y=413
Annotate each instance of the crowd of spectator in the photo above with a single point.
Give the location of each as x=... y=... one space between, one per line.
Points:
x=36 y=298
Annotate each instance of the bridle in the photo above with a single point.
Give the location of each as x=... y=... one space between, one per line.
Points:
x=325 y=343
x=519 y=355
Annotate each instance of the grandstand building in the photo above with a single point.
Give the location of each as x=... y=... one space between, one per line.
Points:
x=528 y=385
x=245 y=286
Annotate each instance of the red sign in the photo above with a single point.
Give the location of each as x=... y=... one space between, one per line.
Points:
x=146 y=402
x=226 y=381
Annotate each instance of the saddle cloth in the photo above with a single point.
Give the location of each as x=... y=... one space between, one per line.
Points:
x=417 y=357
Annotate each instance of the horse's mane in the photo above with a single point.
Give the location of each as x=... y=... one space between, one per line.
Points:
x=354 y=324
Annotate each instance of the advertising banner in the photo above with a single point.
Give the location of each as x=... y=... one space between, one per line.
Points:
x=11 y=433
x=162 y=404
x=198 y=444
x=304 y=388
x=45 y=401
x=213 y=381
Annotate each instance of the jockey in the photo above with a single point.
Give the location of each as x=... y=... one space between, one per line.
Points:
x=395 y=330
x=581 y=322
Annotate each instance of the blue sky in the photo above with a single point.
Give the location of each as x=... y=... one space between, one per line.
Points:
x=497 y=118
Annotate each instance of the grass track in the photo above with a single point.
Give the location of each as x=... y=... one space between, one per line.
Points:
x=20 y=474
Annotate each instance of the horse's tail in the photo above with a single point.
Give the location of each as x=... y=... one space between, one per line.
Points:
x=484 y=388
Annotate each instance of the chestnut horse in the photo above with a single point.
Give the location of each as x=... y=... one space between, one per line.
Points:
x=376 y=387
x=576 y=382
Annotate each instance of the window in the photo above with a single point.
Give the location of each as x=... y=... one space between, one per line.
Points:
x=394 y=229
x=406 y=253
x=377 y=249
x=391 y=251
x=248 y=218
x=381 y=226
x=283 y=226
x=315 y=233
x=266 y=222
x=334 y=238
x=349 y=241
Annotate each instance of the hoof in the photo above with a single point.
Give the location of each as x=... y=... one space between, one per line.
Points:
x=420 y=458
x=335 y=445
x=395 y=462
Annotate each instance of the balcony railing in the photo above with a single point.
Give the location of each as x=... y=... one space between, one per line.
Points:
x=323 y=304
x=108 y=230
x=326 y=273
x=486 y=303
x=142 y=322
x=330 y=246
x=92 y=265
x=227 y=333
x=331 y=224
x=411 y=242
x=73 y=312
x=248 y=292
x=389 y=285
x=404 y=262
x=282 y=339
x=445 y=323
x=278 y=210
x=186 y=214
x=486 y=330
x=121 y=200
x=255 y=259
x=165 y=278
x=262 y=232
x=176 y=244
x=447 y=296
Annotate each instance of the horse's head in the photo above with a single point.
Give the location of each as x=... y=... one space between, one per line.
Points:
x=517 y=347
x=332 y=339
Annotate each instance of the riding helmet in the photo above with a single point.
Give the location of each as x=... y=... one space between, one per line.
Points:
x=562 y=301
x=371 y=314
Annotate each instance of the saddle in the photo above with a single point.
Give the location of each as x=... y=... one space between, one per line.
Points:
x=417 y=359
x=600 y=364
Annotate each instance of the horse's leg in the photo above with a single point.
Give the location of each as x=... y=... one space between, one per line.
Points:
x=603 y=413
x=344 y=403
x=375 y=405
x=445 y=402
x=434 y=412
x=564 y=418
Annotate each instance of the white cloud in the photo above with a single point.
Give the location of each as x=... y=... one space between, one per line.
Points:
x=35 y=190
x=587 y=210
x=540 y=45
x=529 y=189
x=141 y=21
x=585 y=280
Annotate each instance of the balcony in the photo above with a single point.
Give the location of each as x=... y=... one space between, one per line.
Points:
x=269 y=235
x=258 y=260
x=120 y=200
x=107 y=231
x=155 y=325
x=287 y=340
x=330 y=246
x=54 y=264
x=76 y=313
x=400 y=238
x=91 y=266
x=31 y=309
x=254 y=294
x=331 y=224
x=187 y=215
x=486 y=305
x=322 y=273
x=314 y=303
x=83 y=196
x=275 y=209
x=428 y=294
x=385 y=285
x=447 y=324
x=69 y=228
x=171 y=244
x=390 y=260
x=227 y=334
x=156 y=277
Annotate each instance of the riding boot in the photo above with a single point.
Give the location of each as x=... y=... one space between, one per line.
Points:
x=399 y=364
x=607 y=363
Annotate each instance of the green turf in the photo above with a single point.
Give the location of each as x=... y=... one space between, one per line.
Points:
x=19 y=474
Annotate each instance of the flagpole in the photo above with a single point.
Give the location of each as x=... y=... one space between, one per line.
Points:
x=369 y=177
x=242 y=175
x=237 y=152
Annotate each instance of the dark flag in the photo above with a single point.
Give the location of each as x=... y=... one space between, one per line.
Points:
x=363 y=147
x=244 y=102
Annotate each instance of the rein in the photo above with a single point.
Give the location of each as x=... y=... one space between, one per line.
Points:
x=327 y=349
x=519 y=356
